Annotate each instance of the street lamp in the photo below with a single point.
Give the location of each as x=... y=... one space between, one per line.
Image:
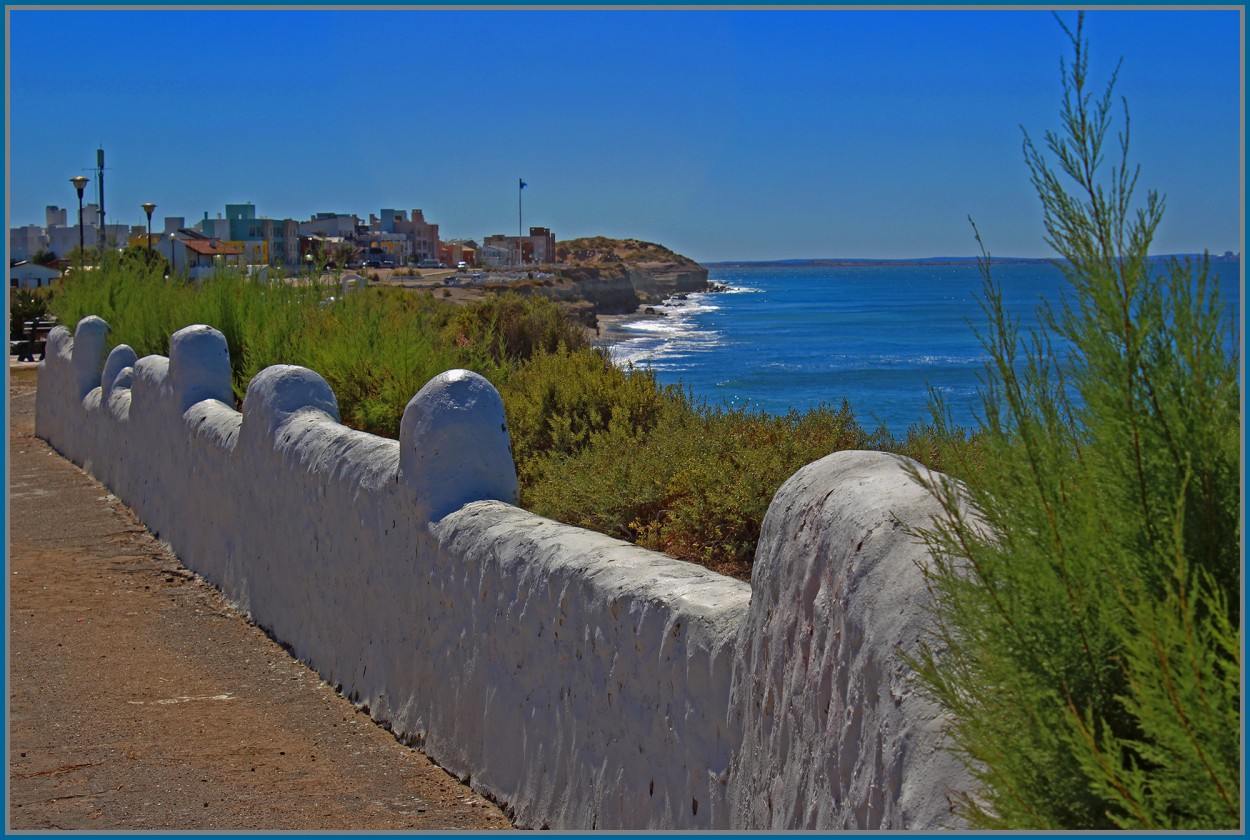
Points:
x=173 y=257
x=79 y=182
x=309 y=259
x=148 y=208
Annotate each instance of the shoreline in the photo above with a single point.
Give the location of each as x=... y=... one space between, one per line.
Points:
x=614 y=329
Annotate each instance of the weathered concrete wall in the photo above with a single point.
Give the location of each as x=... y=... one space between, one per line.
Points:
x=582 y=681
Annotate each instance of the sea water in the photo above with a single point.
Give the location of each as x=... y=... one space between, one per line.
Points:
x=879 y=336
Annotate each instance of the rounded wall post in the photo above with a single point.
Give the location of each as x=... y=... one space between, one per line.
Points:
x=454 y=444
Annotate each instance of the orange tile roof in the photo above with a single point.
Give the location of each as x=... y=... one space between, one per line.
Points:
x=211 y=247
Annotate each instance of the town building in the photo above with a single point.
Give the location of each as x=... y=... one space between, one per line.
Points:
x=422 y=235
x=460 y=250
x=26 y=241
x=60 y=238
x=192 y=253
x=28 y=275
x=495 y=257
x=538 y=247
x=261 y=241
x=340 y=225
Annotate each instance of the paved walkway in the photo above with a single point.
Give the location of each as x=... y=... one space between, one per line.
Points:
x=140 y=700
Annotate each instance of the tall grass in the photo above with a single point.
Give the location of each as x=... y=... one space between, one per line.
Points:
x=1087 y=630
x=595 y=445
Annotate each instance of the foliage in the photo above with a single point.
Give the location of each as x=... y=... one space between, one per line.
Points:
x=691 y=481
x=595 y=445
x=513 y=327
x=602 y=249
x=87 y=255
x=1086 y=636
x=146 y=257
x=43 y=257
x=344 y=253
x=141 y=307
x=26 y=305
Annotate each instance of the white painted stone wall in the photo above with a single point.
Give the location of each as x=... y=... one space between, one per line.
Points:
x=581 y=681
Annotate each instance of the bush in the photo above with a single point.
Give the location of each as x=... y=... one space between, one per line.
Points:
x=1086 y=636
x=684 y=479
x=26 y=305
x=512 y=327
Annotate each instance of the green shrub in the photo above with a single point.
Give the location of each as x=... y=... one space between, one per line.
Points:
x=1087 y=597
x=509 y=326
x=25 y=305
x=690 y=481
x=557 y=402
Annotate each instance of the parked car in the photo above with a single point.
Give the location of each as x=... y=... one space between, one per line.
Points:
x=461 y=266
x=373 y=263
x=429 y=263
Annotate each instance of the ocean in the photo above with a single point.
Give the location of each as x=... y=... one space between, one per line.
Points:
x=876 y=335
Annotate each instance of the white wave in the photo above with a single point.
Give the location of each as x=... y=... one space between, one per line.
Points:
x=656 y=326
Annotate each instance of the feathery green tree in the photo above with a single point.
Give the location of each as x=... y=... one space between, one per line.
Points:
x=1086 y=632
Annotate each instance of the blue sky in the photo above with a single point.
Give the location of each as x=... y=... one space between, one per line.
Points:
x=723 y=134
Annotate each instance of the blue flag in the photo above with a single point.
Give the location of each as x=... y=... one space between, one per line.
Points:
x=523 y=184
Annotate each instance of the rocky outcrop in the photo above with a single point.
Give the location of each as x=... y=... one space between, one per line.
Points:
x=657 y=281
x=619 y=275
x=620 y=290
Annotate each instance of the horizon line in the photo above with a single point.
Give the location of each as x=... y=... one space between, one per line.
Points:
x=991 y=258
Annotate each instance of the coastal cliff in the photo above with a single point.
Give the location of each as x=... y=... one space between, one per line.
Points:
x=616 y=276
x=619 y=275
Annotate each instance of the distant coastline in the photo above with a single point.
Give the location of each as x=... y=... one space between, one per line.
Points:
x=839 y=261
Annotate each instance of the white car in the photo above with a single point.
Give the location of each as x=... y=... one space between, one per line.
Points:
x=461 y=266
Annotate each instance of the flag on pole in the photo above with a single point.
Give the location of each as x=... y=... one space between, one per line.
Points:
x=523 y=184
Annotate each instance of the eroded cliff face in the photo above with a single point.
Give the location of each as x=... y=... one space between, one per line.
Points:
x=619 y=275
x=621 y=289
x=662 y=280
x=601 y=276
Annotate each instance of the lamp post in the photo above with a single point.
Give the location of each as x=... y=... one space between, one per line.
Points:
x=79 y=182
x=148 y=208
x=309 y=259
x=173 y=257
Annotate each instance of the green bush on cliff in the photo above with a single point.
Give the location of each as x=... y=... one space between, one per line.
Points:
x=1086 y=636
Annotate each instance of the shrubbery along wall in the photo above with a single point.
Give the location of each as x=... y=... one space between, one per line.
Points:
x=581 y=681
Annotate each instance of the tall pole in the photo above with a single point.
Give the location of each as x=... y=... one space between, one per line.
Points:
x=79 y=182
x=520 y=250
x=99 y=159
x=148 y=208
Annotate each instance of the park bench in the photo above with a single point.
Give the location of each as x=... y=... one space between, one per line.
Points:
x=34 y=339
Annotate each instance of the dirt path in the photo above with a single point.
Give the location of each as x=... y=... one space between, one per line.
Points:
x=139 y=700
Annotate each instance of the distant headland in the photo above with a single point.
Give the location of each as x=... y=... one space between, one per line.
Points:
x=1227 y=256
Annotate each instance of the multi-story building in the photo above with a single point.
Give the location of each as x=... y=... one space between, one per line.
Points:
x=26 y=241
x=333 y=225
x=262 y=241
x=496 y=257
x=61 y=239
x=538 y=247
x=378 y=245
x=217 y=228
x=422 y=235
x=460 y=250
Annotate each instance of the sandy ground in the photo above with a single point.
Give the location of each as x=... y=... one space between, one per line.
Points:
x=140 y=700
